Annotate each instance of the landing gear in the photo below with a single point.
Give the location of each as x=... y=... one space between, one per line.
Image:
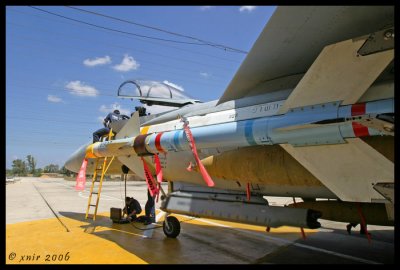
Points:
x=171 y=227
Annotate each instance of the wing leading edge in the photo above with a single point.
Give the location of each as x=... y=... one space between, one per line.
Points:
x=292 y=40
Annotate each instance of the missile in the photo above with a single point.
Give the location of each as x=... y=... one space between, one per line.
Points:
x=321 y=124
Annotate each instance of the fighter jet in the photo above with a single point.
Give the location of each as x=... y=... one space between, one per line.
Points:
x=309 y=114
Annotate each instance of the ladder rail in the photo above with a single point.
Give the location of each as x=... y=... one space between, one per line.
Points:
x=94 y=179
x=104 y=168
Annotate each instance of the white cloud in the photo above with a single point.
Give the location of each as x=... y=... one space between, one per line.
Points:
x=81 y=89
x=54 y=99
x=112 y=107
x=204 y=74
x=100 y=119
x=97 y=61
x=128 y=63
x=206 y=7
x=247 y=8
x=174 y=85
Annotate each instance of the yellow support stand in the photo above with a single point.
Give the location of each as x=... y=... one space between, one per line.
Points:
x=102 y=165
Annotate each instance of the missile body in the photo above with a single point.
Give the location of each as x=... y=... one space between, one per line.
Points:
x=312 y=125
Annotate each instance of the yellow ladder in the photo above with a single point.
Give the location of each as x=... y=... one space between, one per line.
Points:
x=102 y=165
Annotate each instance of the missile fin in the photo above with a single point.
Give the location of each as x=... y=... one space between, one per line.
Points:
x=131 y=128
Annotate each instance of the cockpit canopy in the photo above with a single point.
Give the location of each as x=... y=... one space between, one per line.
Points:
x=152 y=92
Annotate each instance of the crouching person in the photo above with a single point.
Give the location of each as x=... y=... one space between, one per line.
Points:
x=132 y=208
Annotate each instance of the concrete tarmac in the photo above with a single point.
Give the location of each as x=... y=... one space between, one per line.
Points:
x=45 y=224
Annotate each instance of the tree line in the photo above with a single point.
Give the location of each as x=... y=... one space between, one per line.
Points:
x=28 y=166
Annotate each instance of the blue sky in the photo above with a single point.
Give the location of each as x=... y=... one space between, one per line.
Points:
x=62 y=76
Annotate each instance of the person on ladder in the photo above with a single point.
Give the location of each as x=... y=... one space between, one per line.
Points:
x=111 y=117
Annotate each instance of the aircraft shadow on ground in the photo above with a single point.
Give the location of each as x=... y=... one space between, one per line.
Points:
x=380 y=249
x=161 y=249
x=195 y=242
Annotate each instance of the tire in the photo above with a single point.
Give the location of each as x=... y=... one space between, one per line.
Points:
x=174 y=227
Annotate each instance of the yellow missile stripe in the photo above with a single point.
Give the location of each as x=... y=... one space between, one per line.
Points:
x=90 y=148
x=144 y=130
x=89 y=151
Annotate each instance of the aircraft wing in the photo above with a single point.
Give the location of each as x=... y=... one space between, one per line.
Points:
x=325 y=54
x=352 y=171
x=294 y=38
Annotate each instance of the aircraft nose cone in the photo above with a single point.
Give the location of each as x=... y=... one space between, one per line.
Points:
x=75 y=160
x=71 y=165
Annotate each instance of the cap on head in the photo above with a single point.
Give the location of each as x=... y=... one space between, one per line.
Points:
x=116 y=111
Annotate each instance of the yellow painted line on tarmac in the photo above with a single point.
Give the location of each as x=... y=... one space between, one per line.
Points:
x=209 y=222
x=206 y=222
x=47 y=242
x=286 y=232
x=279 y=230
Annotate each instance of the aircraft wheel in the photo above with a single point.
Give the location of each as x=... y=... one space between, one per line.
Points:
x=173 y=228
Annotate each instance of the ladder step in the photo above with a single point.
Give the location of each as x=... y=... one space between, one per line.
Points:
x=102 y=165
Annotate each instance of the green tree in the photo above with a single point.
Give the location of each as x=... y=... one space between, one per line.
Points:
x=19 y=167
x=31 y=164
x=51 y=168
x=38 y=172
x=65 y=171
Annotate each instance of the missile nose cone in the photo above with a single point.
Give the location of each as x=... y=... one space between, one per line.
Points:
x=74 y=162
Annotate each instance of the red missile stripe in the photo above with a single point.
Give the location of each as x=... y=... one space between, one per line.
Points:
x=158 y=144
x=359 y=130
x=358 y=109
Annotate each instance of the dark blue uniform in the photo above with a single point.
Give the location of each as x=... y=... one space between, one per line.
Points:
x=111 y=117
x=133 y=206
x=149 y=208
